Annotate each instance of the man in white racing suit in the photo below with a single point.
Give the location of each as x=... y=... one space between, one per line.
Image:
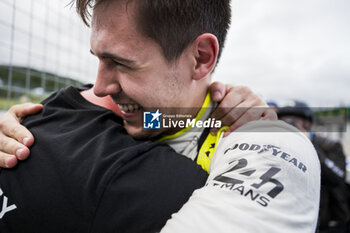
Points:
x=265 y=177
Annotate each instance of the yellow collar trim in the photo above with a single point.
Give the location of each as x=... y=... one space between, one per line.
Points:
x=208 y=148
x=199 y=116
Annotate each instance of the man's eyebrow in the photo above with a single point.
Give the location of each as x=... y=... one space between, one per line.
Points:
x=114 y=57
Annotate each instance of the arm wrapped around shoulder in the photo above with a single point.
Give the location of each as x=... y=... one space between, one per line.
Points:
x=264 y=177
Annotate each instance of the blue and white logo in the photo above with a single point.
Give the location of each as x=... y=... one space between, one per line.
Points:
x=151 y=120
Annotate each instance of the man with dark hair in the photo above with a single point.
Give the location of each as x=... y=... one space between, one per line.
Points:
x=187 y=20
x=264 y=177
x=164 y=57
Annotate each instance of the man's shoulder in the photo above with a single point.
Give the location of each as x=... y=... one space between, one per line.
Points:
x=269 y=134
x=265 y=172
x=284 y=143
x=101 y=173
x=268 y=126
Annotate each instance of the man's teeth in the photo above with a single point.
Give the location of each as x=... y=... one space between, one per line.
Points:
x=129 y=107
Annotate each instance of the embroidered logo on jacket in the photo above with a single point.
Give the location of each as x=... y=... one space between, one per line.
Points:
x=5 y=207
x=258 y=184
x=264 y=189
x=269 y=149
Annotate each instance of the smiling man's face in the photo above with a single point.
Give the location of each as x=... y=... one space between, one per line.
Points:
x=134 y=72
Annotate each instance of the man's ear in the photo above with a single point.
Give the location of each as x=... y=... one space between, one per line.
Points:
x=206 y=49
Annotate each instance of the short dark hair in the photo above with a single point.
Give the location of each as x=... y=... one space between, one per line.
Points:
x=175 y=24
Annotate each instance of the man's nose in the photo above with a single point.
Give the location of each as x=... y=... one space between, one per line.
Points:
x=106 y=81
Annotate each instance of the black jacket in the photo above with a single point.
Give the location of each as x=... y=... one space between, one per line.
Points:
x=85 y=174
x=333 y=202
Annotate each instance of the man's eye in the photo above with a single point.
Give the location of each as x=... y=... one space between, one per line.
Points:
x=119 y=64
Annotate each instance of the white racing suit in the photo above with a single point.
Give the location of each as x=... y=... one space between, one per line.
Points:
x=264 y=177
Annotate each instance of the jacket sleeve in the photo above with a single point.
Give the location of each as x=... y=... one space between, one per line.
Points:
x=265 y=177
x=332 y=159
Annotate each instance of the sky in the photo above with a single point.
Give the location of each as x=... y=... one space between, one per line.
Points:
x=287 y=50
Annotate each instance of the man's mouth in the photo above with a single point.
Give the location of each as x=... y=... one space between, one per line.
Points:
x=129 y=108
